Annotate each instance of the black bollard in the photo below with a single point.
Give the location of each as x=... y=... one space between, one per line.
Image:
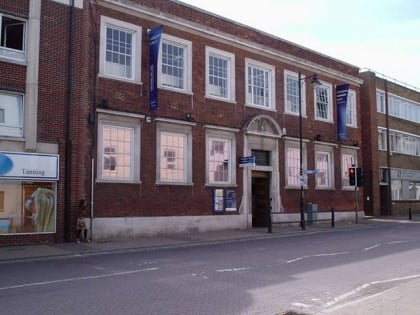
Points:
x=410 y=215
x=332 y=217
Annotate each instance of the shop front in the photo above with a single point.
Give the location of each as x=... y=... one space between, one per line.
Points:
x=28 y=193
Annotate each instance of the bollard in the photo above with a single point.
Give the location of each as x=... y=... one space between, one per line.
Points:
x=410 y=215
x=269 y=220
x=332 y=217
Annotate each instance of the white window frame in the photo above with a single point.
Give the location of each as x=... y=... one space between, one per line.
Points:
x=116 y=119
x=380 y=102
x=211 y=90
x=328 y=88
x=11 y=53
x=15 y=128
x=296 y=183
x=351 y=113
x=289 y=75
x=184 y=130
x=187 y=69
x=271 y=93
x=136 y=49
x=329 y=151
x=222 y=135
x=348 y=159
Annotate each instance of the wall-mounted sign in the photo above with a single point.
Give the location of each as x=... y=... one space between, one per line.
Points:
x=15 y=165
x=245 y=161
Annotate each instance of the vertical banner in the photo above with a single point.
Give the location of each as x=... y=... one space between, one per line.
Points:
x=154 y=43
x=342 y=92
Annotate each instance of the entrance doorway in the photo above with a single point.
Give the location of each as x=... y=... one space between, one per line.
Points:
x=260 y=198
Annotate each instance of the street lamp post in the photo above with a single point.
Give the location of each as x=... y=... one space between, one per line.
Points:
x=314 y=81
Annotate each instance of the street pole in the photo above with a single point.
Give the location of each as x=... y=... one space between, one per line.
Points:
x=302 y=214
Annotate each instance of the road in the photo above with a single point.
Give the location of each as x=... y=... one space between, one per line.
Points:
x=308 y=273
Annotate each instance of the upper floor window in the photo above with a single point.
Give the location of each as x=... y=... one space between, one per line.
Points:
x=118 y=148
x=323 y=102
x=382 y=139
x=220 y=74
x=11 y=114
x=260 y=84
x=291 y=92
x=175 y=63
x=120 y=56
x=380 y=102
x=13 y=37
x=351 y=109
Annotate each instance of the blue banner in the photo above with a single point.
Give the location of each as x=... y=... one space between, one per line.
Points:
x=154 y=43
x=342 y=92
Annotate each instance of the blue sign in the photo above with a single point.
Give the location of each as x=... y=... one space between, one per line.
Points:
x=247 y=161
x=342 y=92
x=154 y=43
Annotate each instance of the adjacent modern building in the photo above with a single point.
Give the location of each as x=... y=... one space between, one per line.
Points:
x=169 y=119
x=391 y=146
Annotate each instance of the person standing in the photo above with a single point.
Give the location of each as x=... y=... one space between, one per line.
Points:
x=82 y=229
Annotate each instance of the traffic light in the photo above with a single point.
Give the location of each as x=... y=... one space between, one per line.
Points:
x=352 y=176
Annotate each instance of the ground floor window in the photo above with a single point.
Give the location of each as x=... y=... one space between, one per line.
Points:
x=27 y=207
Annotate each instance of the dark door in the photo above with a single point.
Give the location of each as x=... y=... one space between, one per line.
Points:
x=384 y=203
x=260 y=198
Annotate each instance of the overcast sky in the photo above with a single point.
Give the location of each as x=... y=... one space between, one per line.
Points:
x=382 y=35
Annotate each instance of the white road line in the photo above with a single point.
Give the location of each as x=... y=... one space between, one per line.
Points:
x=233 y=269
x=76 y=279
x=296 y=259
x=372 y=247
x=331 y=254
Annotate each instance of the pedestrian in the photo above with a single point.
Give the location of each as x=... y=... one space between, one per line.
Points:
x=82 y=229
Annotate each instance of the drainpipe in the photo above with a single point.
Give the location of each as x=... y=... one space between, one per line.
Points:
x=68 y=164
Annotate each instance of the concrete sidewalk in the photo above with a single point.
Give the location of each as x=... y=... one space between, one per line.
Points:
x=51 y=250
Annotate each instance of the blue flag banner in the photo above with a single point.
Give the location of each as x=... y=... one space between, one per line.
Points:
x=342 y=92
x=154 y=43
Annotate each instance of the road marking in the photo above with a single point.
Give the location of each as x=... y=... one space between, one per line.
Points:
x=331 y=254
x=365 y=286
x=233 y=269
x=372 y=247
x=76 y=279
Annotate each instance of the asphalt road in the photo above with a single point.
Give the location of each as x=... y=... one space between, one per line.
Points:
x=307 y=273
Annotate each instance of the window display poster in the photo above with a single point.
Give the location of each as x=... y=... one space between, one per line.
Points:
x=29 y=207
x=218 y=200
x=224 y=200
x=230 y=200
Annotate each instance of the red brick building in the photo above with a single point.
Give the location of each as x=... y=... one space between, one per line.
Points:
x=391 y=146
x=225 y=91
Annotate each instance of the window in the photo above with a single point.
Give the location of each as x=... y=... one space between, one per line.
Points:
x=11 y=114
x=323 y=103
x=351 y=109
x=382 y=142
x=174 y=152
x=260 y=84
x=324 y=164
x=220 y=74
x=13 y=37
x=175 y=63
x=380 y=102
x=383 y=175
x=348 y=159
x=118 y=148
x=291 y=92
x=120 y=56
x=292 y=173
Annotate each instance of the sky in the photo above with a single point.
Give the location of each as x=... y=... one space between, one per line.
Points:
x=380 y=35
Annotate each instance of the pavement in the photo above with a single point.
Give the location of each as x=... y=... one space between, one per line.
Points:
x=401 y=298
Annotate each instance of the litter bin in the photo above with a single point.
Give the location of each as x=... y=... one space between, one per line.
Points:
x=311 y=212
